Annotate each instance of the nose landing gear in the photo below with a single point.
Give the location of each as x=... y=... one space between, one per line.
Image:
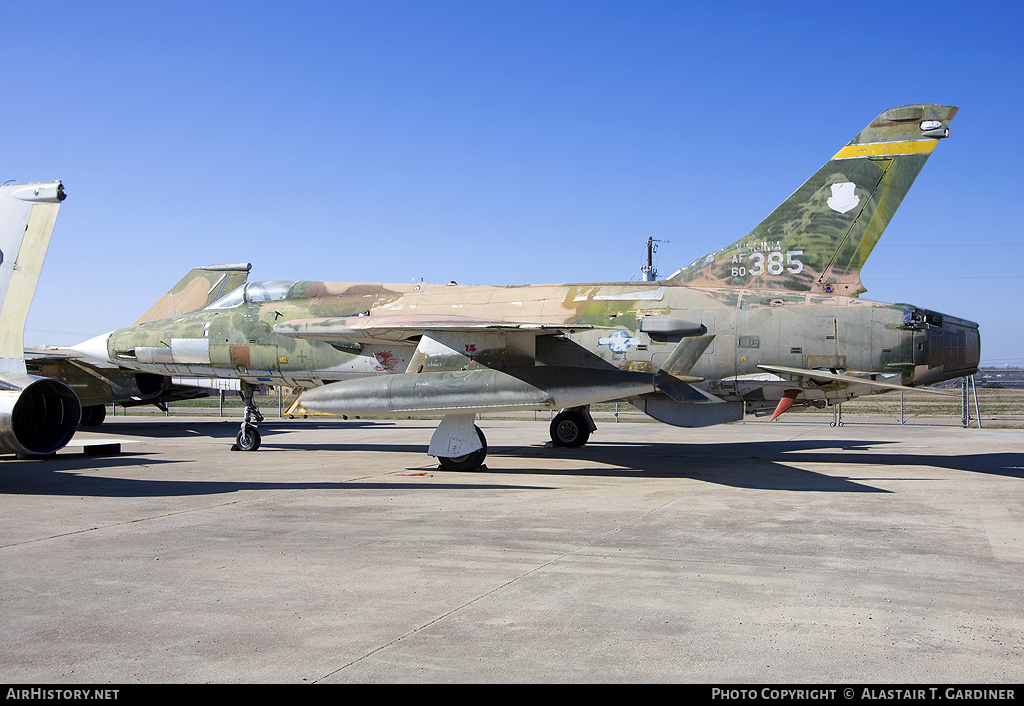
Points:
x=248 y=438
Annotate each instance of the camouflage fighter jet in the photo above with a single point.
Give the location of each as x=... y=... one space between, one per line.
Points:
x=98 y=383
x=770 y=322
x=37 y=415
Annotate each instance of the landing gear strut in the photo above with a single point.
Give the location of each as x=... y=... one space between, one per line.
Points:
x=248 y=438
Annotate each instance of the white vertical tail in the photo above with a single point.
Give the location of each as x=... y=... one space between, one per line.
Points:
x=27 y=215
x=37 y=415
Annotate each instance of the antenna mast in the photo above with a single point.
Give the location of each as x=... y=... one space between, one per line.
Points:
x=649 y=273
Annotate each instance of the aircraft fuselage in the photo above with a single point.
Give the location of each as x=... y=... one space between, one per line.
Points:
x=629 y=326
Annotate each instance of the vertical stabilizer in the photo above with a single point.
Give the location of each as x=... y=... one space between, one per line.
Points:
x=198 y=289
x=27 y=215
x=818 y=239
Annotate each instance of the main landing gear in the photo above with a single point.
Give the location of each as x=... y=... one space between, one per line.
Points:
x=467 y=462
x=571 y=427
x=248 y=438
x=458 y=444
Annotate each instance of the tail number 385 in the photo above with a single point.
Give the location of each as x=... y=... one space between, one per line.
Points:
x=772 y=263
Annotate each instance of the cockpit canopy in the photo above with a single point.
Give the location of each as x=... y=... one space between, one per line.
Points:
x=254 y=293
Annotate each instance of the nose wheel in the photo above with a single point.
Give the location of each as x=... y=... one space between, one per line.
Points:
x=248 y=438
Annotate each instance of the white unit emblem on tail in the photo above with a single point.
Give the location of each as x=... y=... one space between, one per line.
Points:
x=844 y=197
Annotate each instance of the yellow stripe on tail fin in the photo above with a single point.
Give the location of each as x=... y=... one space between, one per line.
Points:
x=819 y=238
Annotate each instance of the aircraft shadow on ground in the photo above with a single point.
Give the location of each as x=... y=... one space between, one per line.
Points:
x=225 y=428
x=772 y=465
x=76 y=475
x=755 y=464
x=763 y=465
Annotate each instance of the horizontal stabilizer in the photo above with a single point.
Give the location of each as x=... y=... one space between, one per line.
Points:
x=825 y=377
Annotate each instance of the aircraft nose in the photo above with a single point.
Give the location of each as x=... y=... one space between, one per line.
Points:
x=95 y=348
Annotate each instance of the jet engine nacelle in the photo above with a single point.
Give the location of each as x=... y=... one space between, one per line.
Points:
x=37 y=415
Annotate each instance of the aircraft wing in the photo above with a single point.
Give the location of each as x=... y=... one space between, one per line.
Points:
x=405 y=329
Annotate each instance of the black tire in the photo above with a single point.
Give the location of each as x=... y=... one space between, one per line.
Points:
x=93 y=415
x=468 y=462
x=248 y=438
x=569 y=429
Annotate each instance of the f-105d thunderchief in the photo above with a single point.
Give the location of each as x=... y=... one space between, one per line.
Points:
x=770 y=322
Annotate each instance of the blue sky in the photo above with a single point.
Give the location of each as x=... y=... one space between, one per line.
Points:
x=495 y=142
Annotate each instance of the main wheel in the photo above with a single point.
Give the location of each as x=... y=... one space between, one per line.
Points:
x=570 y=429
x=248 y=438
x=466 y=462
